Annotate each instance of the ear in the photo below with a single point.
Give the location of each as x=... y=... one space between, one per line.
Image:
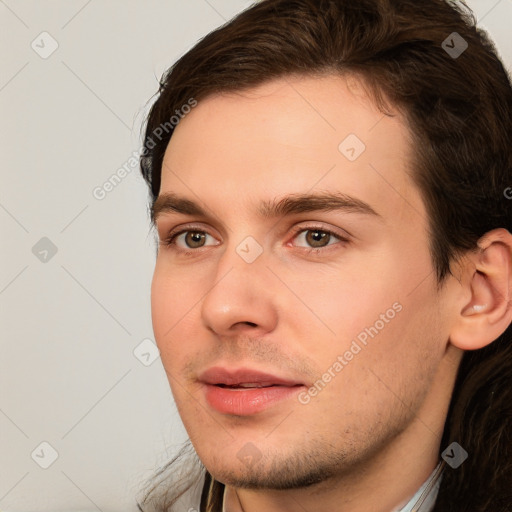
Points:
x=488 y=283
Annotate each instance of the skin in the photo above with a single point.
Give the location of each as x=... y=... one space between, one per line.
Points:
x=371 y=436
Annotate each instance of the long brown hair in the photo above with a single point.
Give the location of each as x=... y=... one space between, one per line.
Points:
x=459 y=111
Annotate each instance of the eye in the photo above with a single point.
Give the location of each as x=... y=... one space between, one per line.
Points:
x=190 y=238
x=314 y=238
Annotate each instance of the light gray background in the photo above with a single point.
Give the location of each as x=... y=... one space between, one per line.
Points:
x=69 y=325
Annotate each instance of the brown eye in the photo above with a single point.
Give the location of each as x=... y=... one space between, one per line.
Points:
x=317 y=238
x=194 y=239
x=186 y=239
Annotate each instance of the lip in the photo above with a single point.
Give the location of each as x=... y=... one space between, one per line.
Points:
x=245 y=401
x=220 y=375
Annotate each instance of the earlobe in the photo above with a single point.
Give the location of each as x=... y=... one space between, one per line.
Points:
x=488 y=312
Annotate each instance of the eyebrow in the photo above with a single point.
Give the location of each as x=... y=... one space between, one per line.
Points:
x=295 y=203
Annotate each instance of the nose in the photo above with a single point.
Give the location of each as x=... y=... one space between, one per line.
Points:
x=241 y=298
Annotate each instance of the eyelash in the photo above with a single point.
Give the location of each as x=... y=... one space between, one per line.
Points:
x=170 y=240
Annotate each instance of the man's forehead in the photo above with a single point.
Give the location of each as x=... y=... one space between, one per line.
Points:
x=308 y=140
x=301 y=112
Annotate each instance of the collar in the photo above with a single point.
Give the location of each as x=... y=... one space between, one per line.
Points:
x=422 y=501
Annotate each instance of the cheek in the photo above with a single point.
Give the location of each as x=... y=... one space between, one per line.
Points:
x=161 y=294
x=367 y=303
x=172 y=300
x=170 y=310
x=342 y=302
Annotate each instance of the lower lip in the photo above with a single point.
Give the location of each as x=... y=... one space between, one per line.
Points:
x=246 y=401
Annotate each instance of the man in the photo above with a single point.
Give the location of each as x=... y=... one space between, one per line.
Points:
x=331 y=296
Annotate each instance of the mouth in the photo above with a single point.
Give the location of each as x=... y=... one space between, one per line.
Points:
x=244 y=378
x=243 y=392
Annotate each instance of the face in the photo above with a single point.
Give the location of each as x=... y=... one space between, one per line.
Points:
x=302 y=278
